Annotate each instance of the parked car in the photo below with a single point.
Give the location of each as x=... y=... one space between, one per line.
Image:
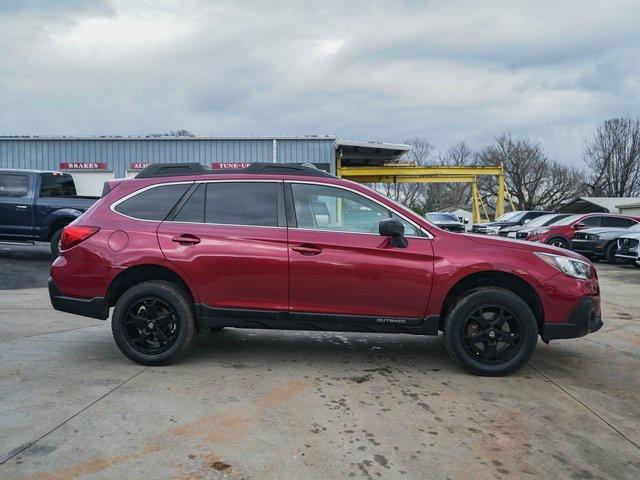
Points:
x=35 y=205
x=446 y=221
x=181 y=250
x=628 y=249
x=541 y=221
x=519 y=217
x=560 y=233
x=601 y=242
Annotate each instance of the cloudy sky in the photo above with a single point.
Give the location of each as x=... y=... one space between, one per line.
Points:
x=370 y=70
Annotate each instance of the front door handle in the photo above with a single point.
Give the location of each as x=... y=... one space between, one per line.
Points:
x=21 y=207
x=186 y=239
x=306 y=249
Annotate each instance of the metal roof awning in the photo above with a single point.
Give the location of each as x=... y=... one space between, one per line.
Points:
x=354 y=153
x=595 y=204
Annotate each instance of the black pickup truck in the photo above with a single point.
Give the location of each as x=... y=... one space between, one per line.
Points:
x=35 y=205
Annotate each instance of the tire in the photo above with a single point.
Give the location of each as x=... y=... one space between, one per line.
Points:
x=521 y=332
x=137 y=328
x=558 y=242
x=610 y=254
x=55 y=242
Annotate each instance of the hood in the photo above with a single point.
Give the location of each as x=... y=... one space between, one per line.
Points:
x=513 y=228
x=505 y=242
x=601 y=230
x=447 y=222
x=635 y=236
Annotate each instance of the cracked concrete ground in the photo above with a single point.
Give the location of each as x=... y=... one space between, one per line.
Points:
x=290 y=405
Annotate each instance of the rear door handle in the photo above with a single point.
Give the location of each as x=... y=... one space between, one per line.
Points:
x=307 y=249
x=21 y=207
x=186 y=239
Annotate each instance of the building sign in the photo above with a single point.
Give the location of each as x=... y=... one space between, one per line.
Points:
x=139 y=165
x=216 y=165
x=83 y=165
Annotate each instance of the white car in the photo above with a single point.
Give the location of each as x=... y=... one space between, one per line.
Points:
x=628 y=248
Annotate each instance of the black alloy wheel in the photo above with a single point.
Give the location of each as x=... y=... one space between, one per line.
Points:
x=153 y=322
x=492 y=334
x=151 y=325
x=491 y=331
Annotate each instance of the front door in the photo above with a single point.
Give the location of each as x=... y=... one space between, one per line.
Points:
x=230 y=239
x=16 y=206
x=339 y=264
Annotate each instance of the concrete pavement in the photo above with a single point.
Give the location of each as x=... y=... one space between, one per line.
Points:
x=290 y=405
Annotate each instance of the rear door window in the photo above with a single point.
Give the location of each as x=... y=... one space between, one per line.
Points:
x=154 y=203
x=243 y=203
x=16 y=186
x=193 y=209
x=57 y=185
x=617 y=222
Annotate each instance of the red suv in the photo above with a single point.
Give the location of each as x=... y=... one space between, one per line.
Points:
x=560 y=233
x=183 y=250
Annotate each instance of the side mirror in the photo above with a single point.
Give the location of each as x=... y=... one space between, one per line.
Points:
x=527 y=221
x=393 y=228
x=579 y=226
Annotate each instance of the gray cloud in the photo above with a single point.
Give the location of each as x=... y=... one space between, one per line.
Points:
x=382 y=70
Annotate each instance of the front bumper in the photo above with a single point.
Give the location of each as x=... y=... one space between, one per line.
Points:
x=587 y=247
x=95 y=307
x=585 y=318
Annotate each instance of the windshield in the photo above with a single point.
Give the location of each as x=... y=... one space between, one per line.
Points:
x=547 y=219
x=511 y=217
x=568 y=220
x=442 y=217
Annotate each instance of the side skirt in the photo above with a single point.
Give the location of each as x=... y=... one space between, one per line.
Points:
x=209 y=317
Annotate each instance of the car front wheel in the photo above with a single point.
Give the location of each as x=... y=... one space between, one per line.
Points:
x=153 y=323
x=491 y=331
x=558 y=242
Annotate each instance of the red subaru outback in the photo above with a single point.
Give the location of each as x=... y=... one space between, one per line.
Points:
x=182 y=250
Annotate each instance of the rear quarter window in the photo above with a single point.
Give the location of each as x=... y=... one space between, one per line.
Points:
x=154 y=203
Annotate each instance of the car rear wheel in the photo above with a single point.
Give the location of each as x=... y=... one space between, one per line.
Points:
x=491 y=331
x=558 y=242
x=153 y=323
x=55 y=242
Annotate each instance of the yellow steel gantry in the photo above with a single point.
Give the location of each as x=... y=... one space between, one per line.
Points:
x=414 y=174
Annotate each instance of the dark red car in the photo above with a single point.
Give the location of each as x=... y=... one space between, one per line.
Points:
x=182 y=250
x=560 y=233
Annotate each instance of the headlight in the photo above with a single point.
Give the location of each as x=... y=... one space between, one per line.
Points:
x=570 y=266
x=538 y=231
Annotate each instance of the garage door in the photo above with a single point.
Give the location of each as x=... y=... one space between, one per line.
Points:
x=90 y=183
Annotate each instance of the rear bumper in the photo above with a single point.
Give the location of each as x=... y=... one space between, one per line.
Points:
x=586 y=318
x=95 y=307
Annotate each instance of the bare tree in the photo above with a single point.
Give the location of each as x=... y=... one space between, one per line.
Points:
x=613 y=158
x=411 y=194
x=454 y=194
x=173 y=133
x=533 y=180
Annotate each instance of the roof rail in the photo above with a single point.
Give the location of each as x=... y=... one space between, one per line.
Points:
x=173 y=169
x=180 y=169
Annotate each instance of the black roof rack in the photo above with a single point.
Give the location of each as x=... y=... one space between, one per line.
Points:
x=179 y=169
x=172 y=169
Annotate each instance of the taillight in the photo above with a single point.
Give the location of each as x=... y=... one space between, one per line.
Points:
x=72 y=235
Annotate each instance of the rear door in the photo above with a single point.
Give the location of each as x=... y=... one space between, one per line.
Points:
x=340 y=265
x=16 y=206
x=230 y=239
